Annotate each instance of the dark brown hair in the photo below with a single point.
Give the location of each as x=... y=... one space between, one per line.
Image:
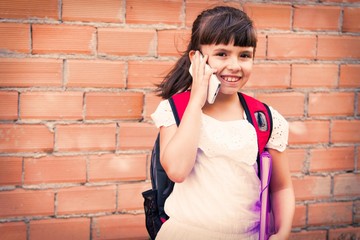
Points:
x=219 y=25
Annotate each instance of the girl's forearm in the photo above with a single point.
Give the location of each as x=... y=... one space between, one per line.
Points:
x=283 y=203
x=180 y=152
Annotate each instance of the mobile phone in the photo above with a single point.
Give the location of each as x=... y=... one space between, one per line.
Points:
x=214 y=84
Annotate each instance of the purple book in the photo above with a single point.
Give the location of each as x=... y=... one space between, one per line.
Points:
x=266 y=216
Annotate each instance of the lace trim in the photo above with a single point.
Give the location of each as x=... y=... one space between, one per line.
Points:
x=233 y=140
x=163 y=116
x=280 y=133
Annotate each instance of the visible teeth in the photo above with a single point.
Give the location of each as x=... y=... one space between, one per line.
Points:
x=231 y=79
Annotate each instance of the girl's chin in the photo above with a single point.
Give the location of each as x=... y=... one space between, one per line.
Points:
x=232 y=88
x=227 y=91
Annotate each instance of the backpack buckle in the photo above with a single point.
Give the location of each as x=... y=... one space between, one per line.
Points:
x=261 y=121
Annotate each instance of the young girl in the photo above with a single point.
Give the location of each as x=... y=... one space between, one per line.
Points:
x=211 y=156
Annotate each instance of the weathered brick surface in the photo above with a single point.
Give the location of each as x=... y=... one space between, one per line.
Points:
x=76 y=97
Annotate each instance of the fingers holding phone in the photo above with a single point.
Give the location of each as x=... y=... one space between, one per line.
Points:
x=205 y=76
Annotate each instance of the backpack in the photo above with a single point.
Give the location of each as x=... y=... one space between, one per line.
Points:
x=257 y=113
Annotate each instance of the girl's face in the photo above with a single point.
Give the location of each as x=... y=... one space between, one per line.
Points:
x=233 y=64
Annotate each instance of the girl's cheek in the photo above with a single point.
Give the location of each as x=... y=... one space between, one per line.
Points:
x=248 y=66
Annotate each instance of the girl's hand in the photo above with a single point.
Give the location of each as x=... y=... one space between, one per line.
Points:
x=201 y=76
x=274 y=237
x=277 y=237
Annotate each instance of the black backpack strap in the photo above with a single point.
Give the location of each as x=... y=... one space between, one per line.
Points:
x=259 y=115
x=162 y=186
x=159 y=179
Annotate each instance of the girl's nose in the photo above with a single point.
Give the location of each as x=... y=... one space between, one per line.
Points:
x=234 y=64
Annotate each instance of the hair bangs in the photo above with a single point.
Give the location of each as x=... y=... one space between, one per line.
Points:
x=225 y=29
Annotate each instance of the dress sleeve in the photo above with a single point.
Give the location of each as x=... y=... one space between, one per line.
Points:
x=280 y=132
x=163 y=115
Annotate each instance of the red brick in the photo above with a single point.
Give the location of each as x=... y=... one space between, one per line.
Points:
x=154 y=12
x=312 y=187
x=52 y=169
x=111 y=167
x=344 y=185
x=29 y=9
x=358 y=105
x=332 y=213
x=340 y=1
x=309 y=132
x=137 y=136
x=124 y=105
x=172 y=42
x=15 y=37
x=10 y=171
x=130 y=198
x=195 y=7
x=151 y=103
x=269 y=16
x=23 y=203
x=145 y=74
x=357 y=212
x=13 y=231
x=345 y=233
x=282 y=101
x=77 y=200
x=260 y=52
x=96 y=73
x=291 y=46
x=68 y=39
x=76 y=137
x=51 y=105
x=314 y=75
x=9 y=105
x=316 y=17
x=338 y=47
x=269 y=76
x=345 y=131
x=29 y=72
x=25 y=138
x=332 y=159
x=296 y=159
x=299 y=216
x=59 y=229
x=331 y=104
x=306 y=235
x=124 y=226
x=349 y=76
x=127 y=42
x=351 y=21
x=94 y=11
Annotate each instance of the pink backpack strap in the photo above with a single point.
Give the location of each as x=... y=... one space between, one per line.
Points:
x=259 y=115
x=178 y=103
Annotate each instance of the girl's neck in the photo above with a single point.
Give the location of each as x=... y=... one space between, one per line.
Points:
x=226 y=98
x=225 y=107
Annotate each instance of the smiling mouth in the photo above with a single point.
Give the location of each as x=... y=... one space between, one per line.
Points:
x=230 y=79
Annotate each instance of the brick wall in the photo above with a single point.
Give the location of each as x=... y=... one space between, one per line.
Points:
x=76 y=80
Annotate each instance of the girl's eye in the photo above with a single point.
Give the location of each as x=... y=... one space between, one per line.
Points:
x=221 y=54
x=246 y=55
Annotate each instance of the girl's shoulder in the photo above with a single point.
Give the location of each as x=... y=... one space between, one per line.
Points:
x=278 y=117
x=280 y=131
x=163 y=115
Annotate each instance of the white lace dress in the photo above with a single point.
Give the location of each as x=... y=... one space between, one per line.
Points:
x=220 y=197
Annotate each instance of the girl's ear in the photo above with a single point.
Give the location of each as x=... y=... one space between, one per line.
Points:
x=191 y=55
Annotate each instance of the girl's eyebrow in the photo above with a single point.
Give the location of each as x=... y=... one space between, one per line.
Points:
x=221 y=50
x=227 y=51
x=247 y=51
